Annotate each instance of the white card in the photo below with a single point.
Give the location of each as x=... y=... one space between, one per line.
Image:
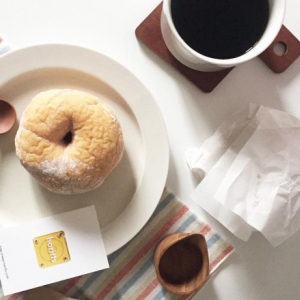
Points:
x=51 y=249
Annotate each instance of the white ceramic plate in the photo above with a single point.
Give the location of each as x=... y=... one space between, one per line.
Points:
x=130 y=194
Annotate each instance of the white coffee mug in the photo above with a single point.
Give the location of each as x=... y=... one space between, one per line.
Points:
x=192 y=59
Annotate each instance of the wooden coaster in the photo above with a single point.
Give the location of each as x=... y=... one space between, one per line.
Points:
x=149 y=33
x=291 y=45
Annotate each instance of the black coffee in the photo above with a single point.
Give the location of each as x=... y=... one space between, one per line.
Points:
x=220 y=28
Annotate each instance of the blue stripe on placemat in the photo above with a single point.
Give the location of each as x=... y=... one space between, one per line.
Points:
x=111 y=258
x=186 y=223
x=160 y=294
x=134 y=279
x=212 y=240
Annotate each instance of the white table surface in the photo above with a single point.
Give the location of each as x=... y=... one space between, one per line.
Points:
x=256 y=270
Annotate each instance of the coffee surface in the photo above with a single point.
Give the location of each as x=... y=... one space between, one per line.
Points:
x=220 y=29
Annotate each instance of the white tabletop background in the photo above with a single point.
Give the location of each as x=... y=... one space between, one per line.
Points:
x=256 y=270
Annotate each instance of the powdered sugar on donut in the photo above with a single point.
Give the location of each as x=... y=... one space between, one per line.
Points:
x=67 y=177
x=58 y=167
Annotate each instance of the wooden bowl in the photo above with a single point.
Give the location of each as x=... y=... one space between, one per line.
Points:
x=181 y=262
x=8 y=116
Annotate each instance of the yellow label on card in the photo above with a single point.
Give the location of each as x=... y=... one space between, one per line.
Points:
x=51 y=249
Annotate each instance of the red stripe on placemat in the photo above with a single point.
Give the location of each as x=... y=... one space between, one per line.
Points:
x=220 y=257
x=17 y=295
x=205 y=230
x=70 y=284
x=148 y=289
x=142 y=252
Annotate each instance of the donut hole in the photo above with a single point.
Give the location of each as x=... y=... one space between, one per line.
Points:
x=67 y=139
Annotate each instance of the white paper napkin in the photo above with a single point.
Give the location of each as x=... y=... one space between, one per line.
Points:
x=215 y=156
x=262 y=185
x=202 y=160
x=251 y=167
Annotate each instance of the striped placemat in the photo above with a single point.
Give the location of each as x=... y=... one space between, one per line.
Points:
x=131 y=274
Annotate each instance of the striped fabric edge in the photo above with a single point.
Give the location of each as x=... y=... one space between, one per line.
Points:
x=87 y=286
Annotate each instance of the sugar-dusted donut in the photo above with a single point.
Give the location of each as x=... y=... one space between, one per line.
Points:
x=69 y=141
